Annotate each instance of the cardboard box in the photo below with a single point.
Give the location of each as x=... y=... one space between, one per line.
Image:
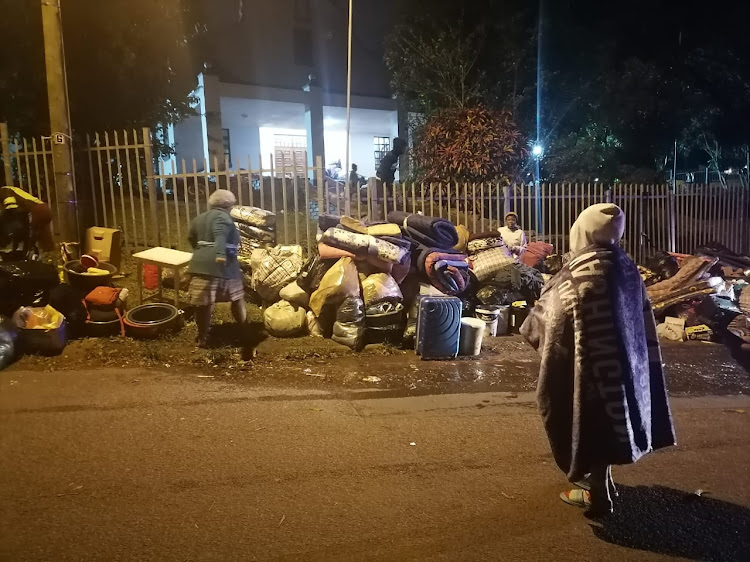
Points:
x=104 y=244
x=699 y=333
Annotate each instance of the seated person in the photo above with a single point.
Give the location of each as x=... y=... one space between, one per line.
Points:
x=513 y=236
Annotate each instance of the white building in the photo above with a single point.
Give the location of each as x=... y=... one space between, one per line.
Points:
x=258 y=104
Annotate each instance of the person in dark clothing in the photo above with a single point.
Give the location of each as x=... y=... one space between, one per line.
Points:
x=354 y=176
x=15 y=227
x=386 y=173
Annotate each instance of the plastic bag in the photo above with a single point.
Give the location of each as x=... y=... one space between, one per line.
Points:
x=294 y=294
x=350 y=334
x=284 y=320
x=339 y=282
x=46 y=318
x=313 y=325
x=7 y=344
x=312 y=273
x=351 y=310
x=380 y=287
x=494 y=295
x=276 y=268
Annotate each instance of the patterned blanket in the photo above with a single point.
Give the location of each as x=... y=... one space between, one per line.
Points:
x=601 y=388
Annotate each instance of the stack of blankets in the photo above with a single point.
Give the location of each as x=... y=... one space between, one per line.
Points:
x=257 y=230
x=434 y=246
x=689 y=283
x=488 y=254
x=381 y=245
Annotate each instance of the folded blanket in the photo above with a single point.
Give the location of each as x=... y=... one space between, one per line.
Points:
x=430 y=231
x=447 y=271
x=253 y=216
x=481 y=244
x=329 y=252
x=463 y=238
x=536 y=253
x=364 y=244
x=328 y=221
x=256 y=233
x=384 y=229
x=485 y=265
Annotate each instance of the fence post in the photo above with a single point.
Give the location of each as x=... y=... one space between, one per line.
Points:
x=149 y=157
x=321 y=186
x=672 y=194
x=5 y=143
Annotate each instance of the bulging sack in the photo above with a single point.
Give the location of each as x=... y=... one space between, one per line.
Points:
x=380 y=287
x=283 y=320
x=339 y=282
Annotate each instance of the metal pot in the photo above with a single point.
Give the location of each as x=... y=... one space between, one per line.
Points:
x=85 y=282
x=151 y=320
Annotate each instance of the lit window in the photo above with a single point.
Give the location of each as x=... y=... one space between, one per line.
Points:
x=381 y=147
x=227 y=147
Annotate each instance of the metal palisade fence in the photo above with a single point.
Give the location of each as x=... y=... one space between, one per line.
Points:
x=152 y=200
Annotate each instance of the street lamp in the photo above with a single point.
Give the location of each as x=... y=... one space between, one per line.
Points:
x=537 y=151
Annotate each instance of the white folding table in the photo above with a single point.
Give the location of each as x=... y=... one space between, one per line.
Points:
x=162 y=258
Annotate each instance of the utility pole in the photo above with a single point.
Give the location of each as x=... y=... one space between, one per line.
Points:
x=59 y=117
x=538 y=149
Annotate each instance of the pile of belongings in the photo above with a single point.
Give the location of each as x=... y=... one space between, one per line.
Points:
x=257 y=228
x=436 y=252
x=366 y=278
x=702 y=296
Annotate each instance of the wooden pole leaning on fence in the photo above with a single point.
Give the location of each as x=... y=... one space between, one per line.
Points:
x=59 y=116
x=5 y=147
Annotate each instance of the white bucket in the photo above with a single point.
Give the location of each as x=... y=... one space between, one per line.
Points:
x=472 y=333
x=503 y=320
x=489 y=315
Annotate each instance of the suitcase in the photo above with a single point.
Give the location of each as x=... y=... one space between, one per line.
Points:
x=438 y=327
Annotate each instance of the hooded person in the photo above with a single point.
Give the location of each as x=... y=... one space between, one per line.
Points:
x=601 y=389
x=513 y=236
x=214 y=268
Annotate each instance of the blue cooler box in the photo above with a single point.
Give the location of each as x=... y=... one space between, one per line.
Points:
x=438 y=327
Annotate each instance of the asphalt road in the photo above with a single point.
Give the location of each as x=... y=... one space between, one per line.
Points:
x=136 y=465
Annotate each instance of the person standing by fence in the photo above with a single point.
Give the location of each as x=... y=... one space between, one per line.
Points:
x=386 y=176
x=215 y=271
x=601 y=389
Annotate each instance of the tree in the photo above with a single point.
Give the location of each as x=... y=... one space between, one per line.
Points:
x=130 y=63
x=469 y=144
x=434 y=67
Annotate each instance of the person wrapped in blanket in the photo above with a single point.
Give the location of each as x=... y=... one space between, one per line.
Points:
x=601 y=389
x=214 y=269
x=513 y=236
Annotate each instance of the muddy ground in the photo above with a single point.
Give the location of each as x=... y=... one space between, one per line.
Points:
x=247 y=355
